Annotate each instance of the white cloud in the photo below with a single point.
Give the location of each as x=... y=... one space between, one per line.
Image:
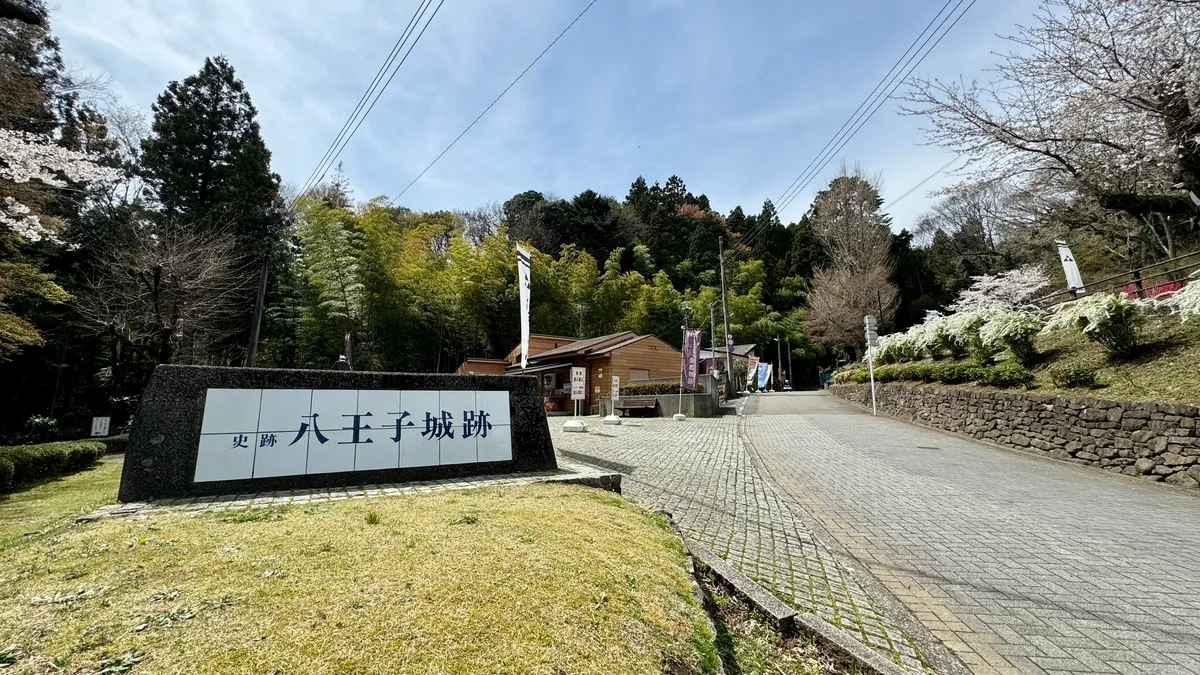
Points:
x=735 y=98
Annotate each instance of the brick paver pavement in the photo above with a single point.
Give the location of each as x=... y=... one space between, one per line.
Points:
x=1019 y=564
x=700 y=472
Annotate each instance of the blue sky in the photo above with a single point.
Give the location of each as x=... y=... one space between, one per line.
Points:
x=734 y=97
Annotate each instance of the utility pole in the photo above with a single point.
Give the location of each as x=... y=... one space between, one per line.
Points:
x=252 y=353
x=790 y=373
x=779 y=356
x=725 y=314
x=712 y=329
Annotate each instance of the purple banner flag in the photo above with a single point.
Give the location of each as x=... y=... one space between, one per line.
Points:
x=691 y=357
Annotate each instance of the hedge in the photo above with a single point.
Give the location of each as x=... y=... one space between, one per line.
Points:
x=652 y=389
x=114 y=444
x=1004 y=375
x=21 y=464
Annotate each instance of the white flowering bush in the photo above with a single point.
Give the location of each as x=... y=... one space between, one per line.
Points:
x=1185 y=303
x=31 y=157
x=1014 y=331
x=1012 y=290
x=896 y=348
x=1113 y=321
x=960 y=332
x=929 y=338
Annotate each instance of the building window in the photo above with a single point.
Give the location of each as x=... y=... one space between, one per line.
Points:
x=635 y=374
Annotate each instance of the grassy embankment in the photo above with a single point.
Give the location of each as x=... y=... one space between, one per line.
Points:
x=504 y=580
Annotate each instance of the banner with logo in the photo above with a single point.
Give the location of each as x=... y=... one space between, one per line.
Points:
x=751 y=370
x=691 y=357
x=1070 y=268
x=764 y=375
x=523 y=261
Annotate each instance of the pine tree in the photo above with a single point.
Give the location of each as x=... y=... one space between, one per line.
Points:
x=210 y=168
x=207 y=160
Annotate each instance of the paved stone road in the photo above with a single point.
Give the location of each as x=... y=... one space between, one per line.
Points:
x=1018 y=564
x=700 y=472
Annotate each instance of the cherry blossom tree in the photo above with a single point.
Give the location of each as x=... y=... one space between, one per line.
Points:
x=27 y=158
x=1097 y=99
x=1012 y=290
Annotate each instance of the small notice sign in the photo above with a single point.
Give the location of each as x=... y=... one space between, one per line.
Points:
x=100 y=426
x=578 y=383
x=616 y=387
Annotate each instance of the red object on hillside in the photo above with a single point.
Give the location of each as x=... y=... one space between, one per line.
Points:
x=1163 y=290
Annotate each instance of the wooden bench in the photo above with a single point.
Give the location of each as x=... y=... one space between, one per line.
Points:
x=646 y=404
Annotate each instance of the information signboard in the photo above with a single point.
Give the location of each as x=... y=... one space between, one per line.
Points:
x=578 y=383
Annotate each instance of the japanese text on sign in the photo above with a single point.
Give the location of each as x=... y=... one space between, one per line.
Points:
x=578 y=384
x=260 y=433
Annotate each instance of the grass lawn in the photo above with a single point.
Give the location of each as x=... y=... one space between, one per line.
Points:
x=1168 y=368
x=52 y=505
x=753 y=647
x=539 y=578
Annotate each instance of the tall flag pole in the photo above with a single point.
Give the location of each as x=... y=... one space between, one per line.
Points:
x=523 y=261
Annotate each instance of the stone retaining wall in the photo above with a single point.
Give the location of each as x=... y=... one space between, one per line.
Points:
x=1156 y=441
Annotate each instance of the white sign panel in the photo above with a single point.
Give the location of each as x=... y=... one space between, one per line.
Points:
x=616 y=387
x=578 y=383
x=1070 y=269
x=100 y=426
x=261 y=433
x=523 y=288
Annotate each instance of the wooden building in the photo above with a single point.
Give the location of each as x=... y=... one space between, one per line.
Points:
x=630 y=356
x=482 y=367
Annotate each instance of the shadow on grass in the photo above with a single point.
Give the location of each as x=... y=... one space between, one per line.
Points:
x=26 y=487
x=1168 y=345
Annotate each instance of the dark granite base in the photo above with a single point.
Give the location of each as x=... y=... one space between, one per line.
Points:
x=160 y=460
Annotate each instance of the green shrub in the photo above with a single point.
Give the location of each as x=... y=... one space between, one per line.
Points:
x=1008 y=374
x=854 y=375
x=41 y=429
x=651 y=389
x=1068 y=375
x=6 y=474
x=1111 y=320
x=35 y=462
x=1014 y=331
x=956 y=373
x=114 y=444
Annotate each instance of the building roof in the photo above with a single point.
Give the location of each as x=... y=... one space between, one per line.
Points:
x=585 y=347
x=738 y=350
x=479 y=359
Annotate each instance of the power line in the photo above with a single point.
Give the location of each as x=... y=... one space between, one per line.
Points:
x=384 y=87
x=883 y=98
x=387 y=62
x=914 y=188
x=494 y=102
x=869 y=97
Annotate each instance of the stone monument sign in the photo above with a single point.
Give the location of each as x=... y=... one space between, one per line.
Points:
x=203 y=430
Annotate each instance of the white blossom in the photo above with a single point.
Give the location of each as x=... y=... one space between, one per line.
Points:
x=1012 y=290
x=1185 y=303
x=31 y=157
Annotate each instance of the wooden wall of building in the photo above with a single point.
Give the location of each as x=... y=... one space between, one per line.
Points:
x=482 y=367
x=651 y=354
x=539 y=344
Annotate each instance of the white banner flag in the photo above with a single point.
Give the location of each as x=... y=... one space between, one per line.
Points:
x=1070 y=269
x=523 y=260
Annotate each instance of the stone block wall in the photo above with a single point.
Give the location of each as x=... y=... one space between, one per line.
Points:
x=1154 y=441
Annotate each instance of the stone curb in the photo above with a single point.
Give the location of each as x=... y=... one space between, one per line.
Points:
x=604 y=481
x=787 y=620
x=574 y=473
